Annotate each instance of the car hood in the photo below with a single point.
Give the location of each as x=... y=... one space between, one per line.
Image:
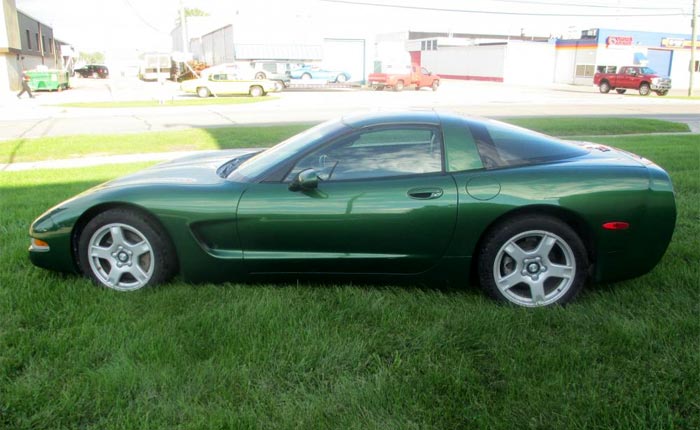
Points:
x=197 y=169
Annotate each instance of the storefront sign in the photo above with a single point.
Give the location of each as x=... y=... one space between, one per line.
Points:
x=619 y=40
x=675 y=43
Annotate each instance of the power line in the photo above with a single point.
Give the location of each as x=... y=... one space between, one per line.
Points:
x=492 y=12
x=582 y=5
x=143 y=20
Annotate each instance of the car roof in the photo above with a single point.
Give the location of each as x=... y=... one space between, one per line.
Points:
x=361 y=120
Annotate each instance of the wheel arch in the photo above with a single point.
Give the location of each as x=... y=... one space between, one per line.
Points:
x=91 y=213
x=569 y=217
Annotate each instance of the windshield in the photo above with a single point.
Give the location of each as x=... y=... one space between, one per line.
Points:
x=647 y=71
x=257 y=165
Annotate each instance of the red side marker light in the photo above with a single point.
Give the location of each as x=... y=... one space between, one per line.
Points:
x=616 y=225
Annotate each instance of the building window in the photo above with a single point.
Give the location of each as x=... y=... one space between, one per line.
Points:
x=36 y=36
x=423 y=45
x=434 y=45
x=606 y=69
x=585 y=70
x=29 y=41
x=50 y=45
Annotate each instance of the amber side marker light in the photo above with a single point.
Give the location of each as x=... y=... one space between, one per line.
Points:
x=616 y=225
x=39 y=245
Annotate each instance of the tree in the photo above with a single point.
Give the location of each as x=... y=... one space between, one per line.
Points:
x=190 y=12
x=92 y=57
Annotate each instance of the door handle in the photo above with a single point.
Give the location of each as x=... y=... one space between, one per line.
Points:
x=425 y=193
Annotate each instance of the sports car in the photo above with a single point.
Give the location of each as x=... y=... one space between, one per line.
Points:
x=308 y=72
x=529 y=217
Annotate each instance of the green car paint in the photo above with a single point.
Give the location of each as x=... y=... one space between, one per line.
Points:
x=232 y=227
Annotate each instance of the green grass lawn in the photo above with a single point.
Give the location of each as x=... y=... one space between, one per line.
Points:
x=48 y=148
x=623 y=356
x=182 y=101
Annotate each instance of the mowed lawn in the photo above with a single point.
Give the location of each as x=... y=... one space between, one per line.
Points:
x=179 y=356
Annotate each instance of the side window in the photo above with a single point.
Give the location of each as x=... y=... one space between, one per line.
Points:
x=378 y=153
x=502 y=145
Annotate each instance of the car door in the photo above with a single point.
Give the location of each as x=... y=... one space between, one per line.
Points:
x=383 y=204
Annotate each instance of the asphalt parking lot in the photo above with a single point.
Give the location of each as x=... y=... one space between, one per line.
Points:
x=44 y=115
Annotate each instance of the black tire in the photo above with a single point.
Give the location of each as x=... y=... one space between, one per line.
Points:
x=260 y=75
x=621 y=90
x=604 y=87
x=509 y=255
x=156 y=263
x=398 y=86
x=203 y=92
x=644 y=89
x=662 y=92
x=256 y=91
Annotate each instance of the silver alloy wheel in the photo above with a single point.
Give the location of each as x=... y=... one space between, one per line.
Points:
x=121 y=257
x=340 y=78
x=534 y=268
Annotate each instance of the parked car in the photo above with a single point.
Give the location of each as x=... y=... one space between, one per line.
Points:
x=426 y=194
x=272 y=70
x=643 y=79
x=92 y=71
x=223 y=83
x=308 y=72
x=414 y=75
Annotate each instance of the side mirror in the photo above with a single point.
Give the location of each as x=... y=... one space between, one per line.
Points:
x=305 y=180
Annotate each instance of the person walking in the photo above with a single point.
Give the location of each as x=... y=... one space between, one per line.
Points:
x=25 y=86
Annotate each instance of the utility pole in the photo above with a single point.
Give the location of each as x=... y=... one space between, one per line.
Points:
x=693 y=45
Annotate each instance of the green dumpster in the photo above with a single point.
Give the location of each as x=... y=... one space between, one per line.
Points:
x=50 y=80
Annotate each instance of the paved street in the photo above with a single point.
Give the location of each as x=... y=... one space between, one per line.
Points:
x=43 y=116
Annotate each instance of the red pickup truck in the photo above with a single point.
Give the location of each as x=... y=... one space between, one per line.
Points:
x=643 y=79
x=417 y=76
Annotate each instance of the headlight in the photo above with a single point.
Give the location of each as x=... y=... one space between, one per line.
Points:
x=655 y=81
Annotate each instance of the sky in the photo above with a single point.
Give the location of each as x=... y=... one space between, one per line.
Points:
x=130 y=25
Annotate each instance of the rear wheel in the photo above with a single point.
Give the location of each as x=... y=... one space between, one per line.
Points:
x=123 y=250
x=341 y=78
x=604 y=87
x=644 y=89
x=379 y=88
x=260 y=75
x=620 y=90
x=533 y=261
x=398 y=86
x=435 y=85
x=203 y=92
x=305 y=76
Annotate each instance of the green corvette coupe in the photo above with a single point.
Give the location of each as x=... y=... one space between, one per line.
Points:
x=529 y=217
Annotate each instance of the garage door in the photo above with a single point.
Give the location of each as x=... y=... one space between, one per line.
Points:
x=346 y=55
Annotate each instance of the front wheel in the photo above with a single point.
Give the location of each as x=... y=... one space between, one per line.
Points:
x=398 y=86
x=123 y=250
x=306 y=77
x=533 y=261
x=341 y=78
x=644 y=89
x=256 y=91
x=203 y=92
x=435 y=85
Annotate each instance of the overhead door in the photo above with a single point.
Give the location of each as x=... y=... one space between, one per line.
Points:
x=345 y=55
